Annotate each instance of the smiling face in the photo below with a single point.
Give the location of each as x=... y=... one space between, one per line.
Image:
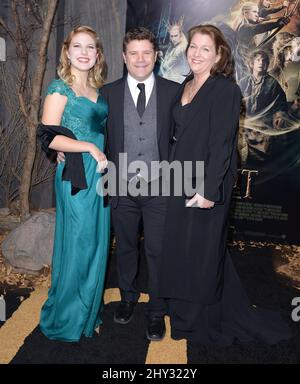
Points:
x=82 y=52
x=201 y=54
x=140 y=58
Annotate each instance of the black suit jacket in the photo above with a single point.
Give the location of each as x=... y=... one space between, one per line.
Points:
x=192 y=265
x=166 y=92
x=209 y=134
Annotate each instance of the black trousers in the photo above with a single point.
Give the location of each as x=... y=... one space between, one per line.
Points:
x=127 y=217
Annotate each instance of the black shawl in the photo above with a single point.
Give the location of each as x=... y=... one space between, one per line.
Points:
x=74 y=169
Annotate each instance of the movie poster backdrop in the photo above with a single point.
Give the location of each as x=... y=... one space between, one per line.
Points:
x=264 y=38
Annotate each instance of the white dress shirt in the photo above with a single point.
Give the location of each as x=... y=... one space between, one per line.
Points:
x=134 y=90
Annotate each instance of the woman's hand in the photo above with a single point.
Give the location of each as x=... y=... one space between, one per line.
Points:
x=60 y=157
x=98 y=156
x=92 y=150
x=200 y=202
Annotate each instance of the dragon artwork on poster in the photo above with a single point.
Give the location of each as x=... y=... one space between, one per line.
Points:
x=264 y=39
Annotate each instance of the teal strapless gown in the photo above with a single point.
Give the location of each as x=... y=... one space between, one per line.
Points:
x=82 y=231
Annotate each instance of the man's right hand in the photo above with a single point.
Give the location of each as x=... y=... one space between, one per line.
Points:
x=60 y=157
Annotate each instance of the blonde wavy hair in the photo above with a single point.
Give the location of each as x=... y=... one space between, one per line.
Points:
x=97 y=74
x=239 y=17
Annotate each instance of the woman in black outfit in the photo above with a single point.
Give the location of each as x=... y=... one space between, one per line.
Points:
x=206 y=300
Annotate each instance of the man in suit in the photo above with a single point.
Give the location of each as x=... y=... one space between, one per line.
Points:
x=139 y=125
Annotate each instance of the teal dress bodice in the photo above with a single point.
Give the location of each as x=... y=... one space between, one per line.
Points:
x=82 y=231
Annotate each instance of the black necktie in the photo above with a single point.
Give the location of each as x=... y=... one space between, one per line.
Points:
x=141 y=101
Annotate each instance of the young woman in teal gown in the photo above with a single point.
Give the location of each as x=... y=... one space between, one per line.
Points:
x=82 y=231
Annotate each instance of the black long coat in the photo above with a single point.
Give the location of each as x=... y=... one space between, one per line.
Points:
x=192 y=266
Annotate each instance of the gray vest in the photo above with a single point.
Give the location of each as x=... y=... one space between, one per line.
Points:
x=140 y=137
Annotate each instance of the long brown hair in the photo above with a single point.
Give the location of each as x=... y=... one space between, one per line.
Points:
x=97 y=74
x=226 y=64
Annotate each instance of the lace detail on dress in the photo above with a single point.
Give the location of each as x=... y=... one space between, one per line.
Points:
x=82 y=116
x=58 y=86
